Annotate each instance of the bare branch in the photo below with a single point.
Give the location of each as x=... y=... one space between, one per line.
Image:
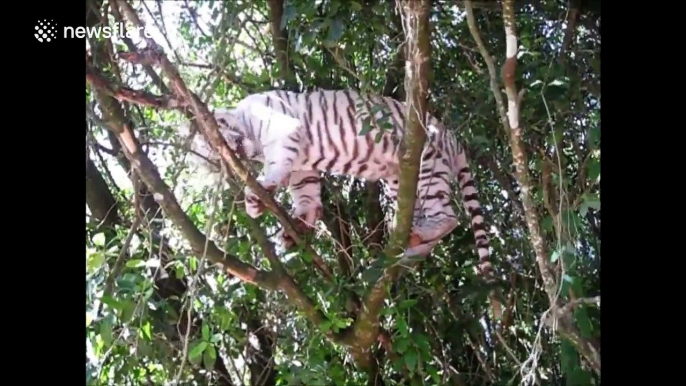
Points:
x=125 y=94
x=490 y=63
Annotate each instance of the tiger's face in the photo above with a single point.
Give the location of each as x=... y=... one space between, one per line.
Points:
x=235 y=137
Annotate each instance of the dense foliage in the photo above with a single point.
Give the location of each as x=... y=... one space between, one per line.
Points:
x=158 y=311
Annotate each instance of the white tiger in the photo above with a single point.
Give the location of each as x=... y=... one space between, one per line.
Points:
x=298 y=135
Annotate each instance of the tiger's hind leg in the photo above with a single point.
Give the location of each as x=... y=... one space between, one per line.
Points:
x=434 y=217
x=305 y=188
x=280 y=153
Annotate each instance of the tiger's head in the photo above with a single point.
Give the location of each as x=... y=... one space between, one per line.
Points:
x=205 y=158
x=237 y=137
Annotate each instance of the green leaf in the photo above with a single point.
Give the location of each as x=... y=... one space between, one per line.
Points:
x=106 y=331
x=325 y=326
x=434 y=375
x=378 y=137
x=135 y=263
x=400 y=345
x=407 y=303
x=366 y=127
x=356 y=6
x=179 y=272
x=593 y=171
x=99 y=239
x=583 y=321
x=143 y=348
x=333 y=7
x=554 y=256
x=422 y=342
x=595 y=65
x=225 y=320
x=591 y=201
x=480 y=140
x=146 y=329
x=216 y=338
x=401 y=324
x=95 y=261
x=579 y=377
x=89 y=319
x=547 y=223
x=127 y=309
x=110 y=302
x=197 y=350
x=568 y=357
x=411 y=359
x=205 y=332
x=569 y=256
x=209 y=357
x=371 y=275
x=289 y=13
x=567 y=282
x=335 y=31
x=593 y=137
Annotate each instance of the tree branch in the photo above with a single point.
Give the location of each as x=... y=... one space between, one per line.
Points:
x=125 y=94
x=418 y=54
x=99 y=199
x=572 y=17
x=519 y=155
x=280 y=37
x=156 y=80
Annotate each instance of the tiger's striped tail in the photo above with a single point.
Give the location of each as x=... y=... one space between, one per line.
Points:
x=472 y=206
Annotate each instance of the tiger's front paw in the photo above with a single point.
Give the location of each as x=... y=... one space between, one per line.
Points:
x=301 y=226
x=284 y=240
x=254 y=207
x=308 y=216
